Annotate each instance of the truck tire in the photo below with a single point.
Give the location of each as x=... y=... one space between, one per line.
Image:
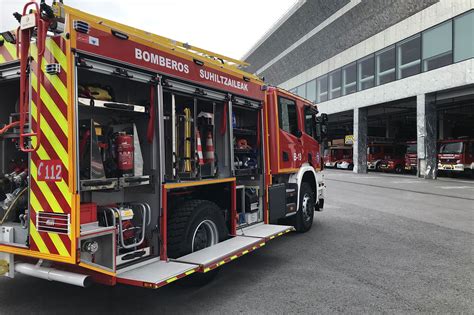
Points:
x=305 y=214
x=398 y=169
x=195 y=225
x=378 y=167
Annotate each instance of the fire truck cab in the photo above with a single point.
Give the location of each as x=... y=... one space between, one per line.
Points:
x=411 y=155
x=456 y=156
x=127 y=157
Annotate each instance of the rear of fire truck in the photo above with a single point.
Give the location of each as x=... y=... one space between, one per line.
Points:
x=37 y=222
x=146 y=164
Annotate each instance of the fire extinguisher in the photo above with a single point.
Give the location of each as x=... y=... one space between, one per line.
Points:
x=125 y=152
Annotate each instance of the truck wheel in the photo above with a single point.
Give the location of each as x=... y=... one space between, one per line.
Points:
x=305 y=214
x=378 y=167
x=193 y=226
x=398 y=169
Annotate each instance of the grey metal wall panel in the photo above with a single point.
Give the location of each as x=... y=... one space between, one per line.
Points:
x=363 y=21
x=310 y=15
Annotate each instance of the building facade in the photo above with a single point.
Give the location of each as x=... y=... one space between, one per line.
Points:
x=401 y=69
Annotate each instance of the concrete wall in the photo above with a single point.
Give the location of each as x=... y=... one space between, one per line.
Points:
x=416 y=23
x=352 y=22
x=455 y=75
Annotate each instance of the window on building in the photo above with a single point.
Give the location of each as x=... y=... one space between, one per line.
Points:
x=301 y=90
x=322 y=88
x=287 y=116
x=409 y=57
x=335 y=88
x=349 y=79
x=438 y=46
x=311 y=91
x=309 y=122
x=385 y=65
x=464 y=37
x=366 y=72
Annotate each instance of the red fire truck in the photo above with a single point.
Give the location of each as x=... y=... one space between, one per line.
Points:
x=376 y=153
x=456 y=156
x=394 y=160
x=127 y=157
x=338 y=157
x=411 y=155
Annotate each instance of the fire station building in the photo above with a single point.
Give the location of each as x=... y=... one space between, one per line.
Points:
x=398 y=70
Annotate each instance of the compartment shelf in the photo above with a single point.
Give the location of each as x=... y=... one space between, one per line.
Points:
x=244 y=131
x=246 y=171
x=114 y=183
x=108 y=105
x=243 y=151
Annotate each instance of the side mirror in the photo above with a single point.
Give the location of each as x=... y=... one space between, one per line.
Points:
x=298 y=133
x=321 y=128
x=324 y=118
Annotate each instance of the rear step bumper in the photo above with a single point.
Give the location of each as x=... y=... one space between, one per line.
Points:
x=157 y=273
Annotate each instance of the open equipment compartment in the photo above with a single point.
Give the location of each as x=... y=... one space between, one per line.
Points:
x=196 y=136
x=118 y=158
x=248 y=165
x=14 y=168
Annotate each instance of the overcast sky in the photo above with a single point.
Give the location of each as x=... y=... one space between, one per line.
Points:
x=228 y=27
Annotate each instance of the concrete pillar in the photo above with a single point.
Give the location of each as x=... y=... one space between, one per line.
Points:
x=426 y=137
x=360 y=140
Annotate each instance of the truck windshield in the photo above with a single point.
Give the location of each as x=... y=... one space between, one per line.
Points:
x=411 y=148
x=451 y=148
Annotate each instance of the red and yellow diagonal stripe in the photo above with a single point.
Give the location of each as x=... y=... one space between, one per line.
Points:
x=55 y=197
x=7 y=51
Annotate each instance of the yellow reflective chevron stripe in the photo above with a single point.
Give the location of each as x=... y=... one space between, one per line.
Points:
x=51 y=105
x=2 y=59
x=46 y=191
x=54 y=49
x=37 y=239
x=54 y=141
x=62 y=184
x=11 y=49
x=58 y=243
x=57 y=84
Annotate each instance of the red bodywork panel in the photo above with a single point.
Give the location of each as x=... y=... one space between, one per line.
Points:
x=287 y=151
x=339 y=154
x=108 y=46
x=466 y=156
x=391 y=164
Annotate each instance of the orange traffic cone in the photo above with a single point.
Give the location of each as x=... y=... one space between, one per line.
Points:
x=199 y=148
x=209 y=156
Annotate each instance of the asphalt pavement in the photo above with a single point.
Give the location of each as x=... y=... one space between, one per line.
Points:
x=384 y=243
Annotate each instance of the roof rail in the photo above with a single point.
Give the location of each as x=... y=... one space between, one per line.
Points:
x=173 y=44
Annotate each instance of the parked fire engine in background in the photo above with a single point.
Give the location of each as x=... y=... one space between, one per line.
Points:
x=144 y=164
x=456 y=156
x=394 y=160
x=411 y=154
x=339 y=156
